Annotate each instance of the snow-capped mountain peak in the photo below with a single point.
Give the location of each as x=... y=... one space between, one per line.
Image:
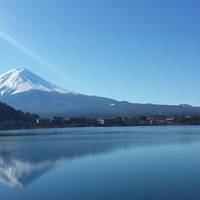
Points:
x=20 y=80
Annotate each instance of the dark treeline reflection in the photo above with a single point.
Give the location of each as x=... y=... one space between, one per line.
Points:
x=24 y=158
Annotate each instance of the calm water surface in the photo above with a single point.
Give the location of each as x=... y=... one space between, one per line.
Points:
x=101 y=163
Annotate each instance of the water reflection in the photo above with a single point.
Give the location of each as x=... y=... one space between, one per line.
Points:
x=17 y=173
x=24 y=159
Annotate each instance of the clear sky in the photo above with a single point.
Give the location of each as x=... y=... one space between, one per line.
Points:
x=145 y=51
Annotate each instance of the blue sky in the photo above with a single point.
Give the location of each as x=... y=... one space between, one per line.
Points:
x=141 y=51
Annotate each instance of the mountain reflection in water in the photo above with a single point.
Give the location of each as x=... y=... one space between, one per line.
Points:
x=25 y=158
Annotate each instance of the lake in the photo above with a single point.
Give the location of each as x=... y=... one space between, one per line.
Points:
x=160 y=162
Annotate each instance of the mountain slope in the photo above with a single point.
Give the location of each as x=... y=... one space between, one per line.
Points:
x=26 y=91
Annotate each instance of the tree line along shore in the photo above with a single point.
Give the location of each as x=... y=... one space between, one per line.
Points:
x=14 y=119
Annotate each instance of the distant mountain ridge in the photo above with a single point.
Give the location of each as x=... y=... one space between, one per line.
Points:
x=26 y=91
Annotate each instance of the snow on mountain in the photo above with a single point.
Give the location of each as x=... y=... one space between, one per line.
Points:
x=20 y=80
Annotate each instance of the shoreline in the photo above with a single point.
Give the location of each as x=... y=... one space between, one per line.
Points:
x=8 y=132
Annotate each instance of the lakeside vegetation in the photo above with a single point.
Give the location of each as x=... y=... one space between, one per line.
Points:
x=14 y=119
x=62 y=122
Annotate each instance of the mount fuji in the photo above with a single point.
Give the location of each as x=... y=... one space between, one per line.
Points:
x=28 y=92
x=20 y=80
